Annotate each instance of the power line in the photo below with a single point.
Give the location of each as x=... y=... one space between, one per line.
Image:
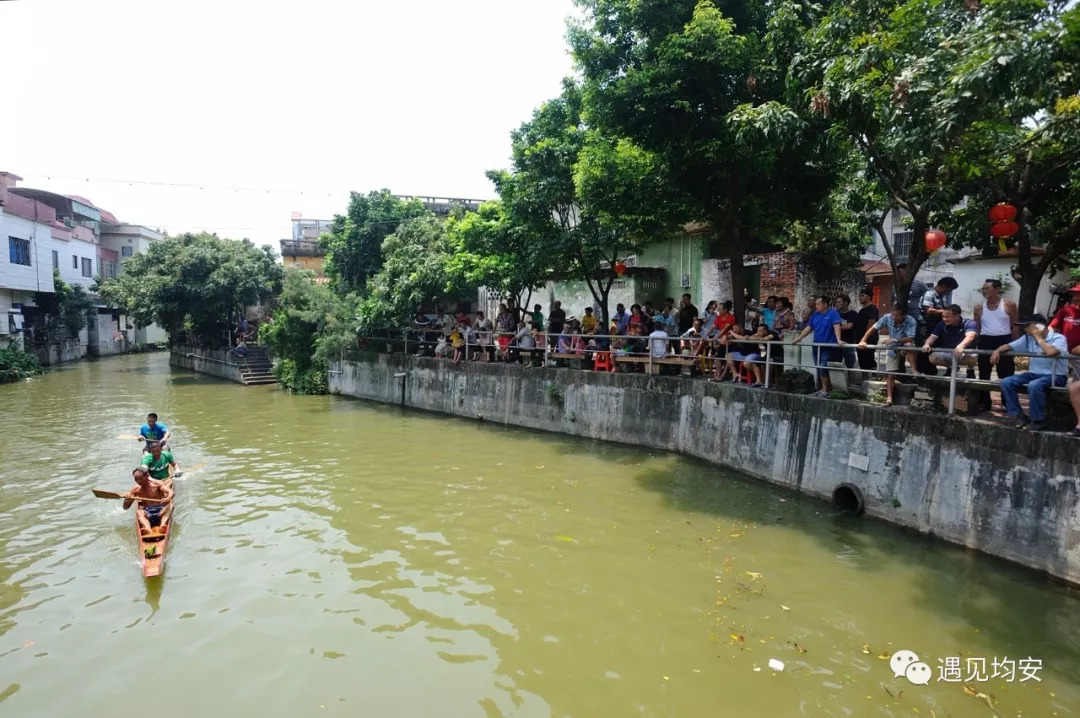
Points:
x=233 y=188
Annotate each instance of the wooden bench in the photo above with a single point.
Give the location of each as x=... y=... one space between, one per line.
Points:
x=973 y=389
x=578 y=359
x=670 y=360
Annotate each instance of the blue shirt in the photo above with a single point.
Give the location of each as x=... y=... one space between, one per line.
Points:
x=1043 y=364
x=768 y=316
x=823 y=323
x=622 y=322
x=949 y=337
x=155 y=434
x=905 y=330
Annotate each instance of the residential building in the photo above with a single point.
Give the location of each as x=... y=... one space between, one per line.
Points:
x=46 y=231
x=121 y=242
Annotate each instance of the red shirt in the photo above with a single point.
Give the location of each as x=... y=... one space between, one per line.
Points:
x=723 y=322
x=1067 y=321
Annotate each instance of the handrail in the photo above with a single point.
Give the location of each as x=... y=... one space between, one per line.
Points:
x=546 y=345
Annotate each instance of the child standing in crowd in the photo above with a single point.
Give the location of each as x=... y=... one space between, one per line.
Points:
x=457 y=339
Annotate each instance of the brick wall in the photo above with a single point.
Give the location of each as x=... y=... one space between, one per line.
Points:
x=784 y=274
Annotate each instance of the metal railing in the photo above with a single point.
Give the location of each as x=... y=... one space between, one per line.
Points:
x=794 y=354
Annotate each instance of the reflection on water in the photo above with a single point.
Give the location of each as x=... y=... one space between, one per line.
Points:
x=341 y=558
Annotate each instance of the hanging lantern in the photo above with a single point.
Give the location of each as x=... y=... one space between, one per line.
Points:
x=1002 y=249
x=1000 y=230
x=620 y=268
x=1002 y=212
x=935 y=240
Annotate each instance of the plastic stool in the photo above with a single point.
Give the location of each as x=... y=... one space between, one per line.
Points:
x=602 y=361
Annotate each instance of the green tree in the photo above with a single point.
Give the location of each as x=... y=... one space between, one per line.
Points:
x=1027 y=151
x=917 y=85
x=491 y=250
x=311 y=326
x=196 y=282
x=67 y=306
x=354 y=244
x=704 y=87
x=582 y=199
x=417 y=268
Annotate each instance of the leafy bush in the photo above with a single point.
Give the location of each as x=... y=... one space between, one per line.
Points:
x=311 y=380
x=16 y=365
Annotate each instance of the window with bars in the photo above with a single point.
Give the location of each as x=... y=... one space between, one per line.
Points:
x=110 y=270
x=126 y=251
x=901 y=243
x=74 y=261
x=55 y=259
x=19 y=251
x=87 y=267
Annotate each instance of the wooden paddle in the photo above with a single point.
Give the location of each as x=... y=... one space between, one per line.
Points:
x=102 y=494
x=189 y=469
x=129 y=437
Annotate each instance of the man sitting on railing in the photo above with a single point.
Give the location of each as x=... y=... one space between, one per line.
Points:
x=954 y=333
x=899 y=328
x=1043 y=371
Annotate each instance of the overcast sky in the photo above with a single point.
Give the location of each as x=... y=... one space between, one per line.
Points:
x=320 y=97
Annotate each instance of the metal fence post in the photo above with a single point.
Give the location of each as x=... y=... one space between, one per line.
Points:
x=952 y=385
x=768 y=363
x=405 y=337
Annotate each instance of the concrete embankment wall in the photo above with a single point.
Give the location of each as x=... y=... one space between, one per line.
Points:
x=215 y=362
x=1008 y=493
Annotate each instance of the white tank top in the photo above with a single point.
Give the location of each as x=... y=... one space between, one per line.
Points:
x=995 y=323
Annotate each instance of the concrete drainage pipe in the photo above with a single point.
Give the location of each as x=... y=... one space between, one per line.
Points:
x=847 y=499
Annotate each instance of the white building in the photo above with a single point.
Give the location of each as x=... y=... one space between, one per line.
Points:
x=46 y=231
x=124 y=241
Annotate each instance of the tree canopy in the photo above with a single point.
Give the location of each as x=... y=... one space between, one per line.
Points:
x=354 y=244
x=194 y=282
x=942 y=99
x=703 y=86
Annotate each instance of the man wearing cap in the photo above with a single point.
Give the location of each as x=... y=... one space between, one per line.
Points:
x=1043 y=372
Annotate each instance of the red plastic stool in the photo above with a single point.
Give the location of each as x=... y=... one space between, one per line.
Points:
x=602 y=362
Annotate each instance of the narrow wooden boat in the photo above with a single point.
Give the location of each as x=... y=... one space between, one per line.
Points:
x=152 y=547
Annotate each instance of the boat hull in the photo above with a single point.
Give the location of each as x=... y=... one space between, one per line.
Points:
x=152 y=548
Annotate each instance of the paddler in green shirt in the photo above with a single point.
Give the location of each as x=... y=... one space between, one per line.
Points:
x=158 y=463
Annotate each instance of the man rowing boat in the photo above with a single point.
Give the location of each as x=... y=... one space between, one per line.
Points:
x=150 y=514
x=152 y=431
x=160 y=464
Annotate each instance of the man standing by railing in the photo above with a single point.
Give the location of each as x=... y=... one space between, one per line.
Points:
x=995 y=322
x=825 y=323
x=1044 y=371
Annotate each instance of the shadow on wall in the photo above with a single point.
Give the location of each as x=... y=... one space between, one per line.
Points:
x=1018 y=611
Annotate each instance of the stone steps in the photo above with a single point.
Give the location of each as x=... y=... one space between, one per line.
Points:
x=254 y=379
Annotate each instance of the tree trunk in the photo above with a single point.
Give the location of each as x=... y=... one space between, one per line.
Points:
x=916 y=256
x=738 y=283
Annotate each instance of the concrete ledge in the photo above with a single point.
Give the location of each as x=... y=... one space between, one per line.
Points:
x=1008 y=493
x=215 y=362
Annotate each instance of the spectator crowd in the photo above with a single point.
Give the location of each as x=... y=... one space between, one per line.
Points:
x=926 y=334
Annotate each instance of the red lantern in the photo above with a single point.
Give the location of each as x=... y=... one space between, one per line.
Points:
x=935 y=240
x=620 y=268
x=1002 y=212
x=1004 y=229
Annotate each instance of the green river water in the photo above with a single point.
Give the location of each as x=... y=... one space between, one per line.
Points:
x=340 y=558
